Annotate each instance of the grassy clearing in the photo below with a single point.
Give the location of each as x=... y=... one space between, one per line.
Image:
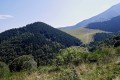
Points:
x=84 y=34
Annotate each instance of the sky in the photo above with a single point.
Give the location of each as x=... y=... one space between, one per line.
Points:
x=57 y=13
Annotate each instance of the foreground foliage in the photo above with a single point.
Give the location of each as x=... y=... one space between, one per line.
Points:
x=73 y=63
x=76 y=64
x=4 y=70
x=25 y=62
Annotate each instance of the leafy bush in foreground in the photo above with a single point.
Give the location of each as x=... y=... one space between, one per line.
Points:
x=75 y=56
x=25 y=62
x=71 y=55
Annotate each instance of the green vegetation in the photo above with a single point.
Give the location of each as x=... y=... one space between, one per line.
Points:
x=29 y=54
x=25 y=62
x=4 y=70
x=73 y=55
x=100 y=64
x=75 y=63
x=38 y=39
x=84 y=34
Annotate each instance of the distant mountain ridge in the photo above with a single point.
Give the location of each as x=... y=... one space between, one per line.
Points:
x=103 y=28
x=112 y=25
x=114 y=11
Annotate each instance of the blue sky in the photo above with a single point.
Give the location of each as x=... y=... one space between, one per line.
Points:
x=57 y=13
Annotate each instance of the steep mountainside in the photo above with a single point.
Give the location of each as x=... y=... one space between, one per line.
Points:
x=112 y=25
x=108 y=21
x=105 y=16
x=38 y=39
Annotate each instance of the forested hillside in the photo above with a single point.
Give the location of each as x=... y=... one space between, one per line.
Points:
x=112 y=25
x=109 y=40
x=100 y=61
x=87 y=50
x=38 y=39
x=31 y=54
x=102 y=36
x=112 y=41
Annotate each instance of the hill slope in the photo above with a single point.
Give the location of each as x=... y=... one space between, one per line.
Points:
x=38 y=39
x=112 y=25
x=90 y=33
x=105 y=16
x=84 y=34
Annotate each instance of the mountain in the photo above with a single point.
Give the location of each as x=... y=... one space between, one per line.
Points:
x=114 y=11
x=37 y=39
x=112 y=25
x=98 y=26
x=97 y=31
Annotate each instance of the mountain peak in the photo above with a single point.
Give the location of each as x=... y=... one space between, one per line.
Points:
x=116 y=5
x=112 y=12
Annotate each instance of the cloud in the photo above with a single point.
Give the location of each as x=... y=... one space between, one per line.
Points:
x=5 y=16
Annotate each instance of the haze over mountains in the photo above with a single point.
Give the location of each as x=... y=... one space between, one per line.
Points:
x=105 y=16
x=97 y=27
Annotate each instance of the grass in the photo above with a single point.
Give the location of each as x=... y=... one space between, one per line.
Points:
x=100 y=70
x=81 y=72
x=84 y=34
x=84 y=71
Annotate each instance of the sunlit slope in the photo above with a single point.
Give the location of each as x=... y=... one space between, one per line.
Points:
x=84 y=34
x=107 y=15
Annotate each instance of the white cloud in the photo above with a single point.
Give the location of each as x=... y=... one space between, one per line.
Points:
x=5 y=16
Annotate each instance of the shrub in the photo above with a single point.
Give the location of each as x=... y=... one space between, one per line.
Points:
x=101 y=55
x=117 y=44
x=77 y=61
x=29 y=65
x=25 y=62
x=69 y=55
x=93 y=57
x=4 y=70
x=118 y=51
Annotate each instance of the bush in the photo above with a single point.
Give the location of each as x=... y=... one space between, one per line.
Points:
x=118 y=51
x=25 y=62
x=102 y=54
x=4 y=70
x=69 y=55
x=92 y=57
x=29 y=65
